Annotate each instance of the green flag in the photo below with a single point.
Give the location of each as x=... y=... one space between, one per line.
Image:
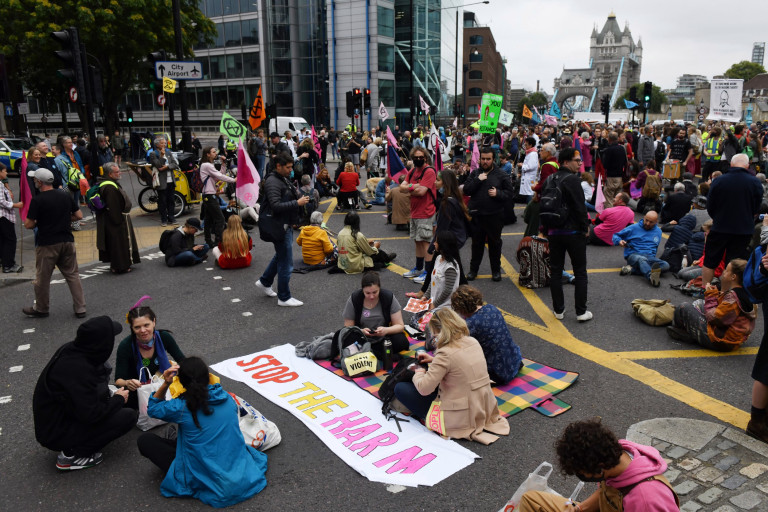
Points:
x=490 y=108
x=231 y=127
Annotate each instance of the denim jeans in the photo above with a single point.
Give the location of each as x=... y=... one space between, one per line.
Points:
x=410 y=397
x=261 y=161
x=641 y=264
x=280 y=266
x=189 y=258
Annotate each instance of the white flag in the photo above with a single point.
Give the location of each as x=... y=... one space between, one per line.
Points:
x=455 y=122
x=383 y=114
x=505 y=118
x=424 y=104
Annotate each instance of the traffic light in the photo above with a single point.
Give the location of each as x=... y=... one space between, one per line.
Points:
x=367 y=98
x=129 y=114
x=154 y=57
x=633 y=94
x=350 y=106
x=357 y=97
x=72 y=58
x=647 y=90
x=244 y=113
x=605 y=105
x=271 y=110
x=432 y=110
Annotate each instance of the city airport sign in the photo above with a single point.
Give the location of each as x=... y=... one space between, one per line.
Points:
x=179 y=70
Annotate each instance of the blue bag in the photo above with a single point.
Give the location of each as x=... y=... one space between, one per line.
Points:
x=755 y=281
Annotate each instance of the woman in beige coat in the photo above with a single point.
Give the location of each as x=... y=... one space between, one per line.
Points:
x=458 y=378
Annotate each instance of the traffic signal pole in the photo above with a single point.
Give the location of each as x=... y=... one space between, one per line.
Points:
x=186 y=131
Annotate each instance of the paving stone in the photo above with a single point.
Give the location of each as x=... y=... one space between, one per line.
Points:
x=708 y=454
x=672 y=474
x=754 y=470
x=690 y=506
x=660 y=445
x=744 y=440
x=688 y=433
x=747 y=500
x=708 y=474
x=763 y=487
x=710 y=496
x=734 y=482
x=726 y=445
x=689 y=464
x=686 y=487
x=718 y=480
x=725 y=508
x=676 y=452
x=726 y=463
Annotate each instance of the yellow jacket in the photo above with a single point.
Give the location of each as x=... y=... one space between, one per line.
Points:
x=354 y=252
x=315 y=244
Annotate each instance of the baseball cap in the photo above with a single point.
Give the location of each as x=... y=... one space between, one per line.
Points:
x=193 y=222
x=43 y=175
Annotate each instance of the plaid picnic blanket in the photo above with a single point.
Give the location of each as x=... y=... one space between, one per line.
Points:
x=534 y=386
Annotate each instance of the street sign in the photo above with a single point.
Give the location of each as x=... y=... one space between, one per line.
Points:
x=160 y=100
x=702 y=110
x=701 y=117
x=73 y=95
x=23 y=108
x=179 y=70
x=8 y=110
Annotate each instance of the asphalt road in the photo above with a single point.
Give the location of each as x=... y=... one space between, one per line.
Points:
x=622 y=387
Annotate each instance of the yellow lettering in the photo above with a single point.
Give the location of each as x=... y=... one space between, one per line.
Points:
x=326 y=406
x=308 y=386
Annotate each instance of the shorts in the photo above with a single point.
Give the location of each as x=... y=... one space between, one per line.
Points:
x=421 y=229
x=355 y=158
x=724 y=244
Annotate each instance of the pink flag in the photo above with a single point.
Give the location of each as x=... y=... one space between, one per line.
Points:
x=436 y=145
x=599 y=197
x=247 y=186
x=475 y=162
x=391 y=140
x=318 y=150
x=24 y=192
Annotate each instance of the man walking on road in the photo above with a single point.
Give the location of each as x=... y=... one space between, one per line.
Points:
x=52 y=212
x=489 y=189
x=614 y=160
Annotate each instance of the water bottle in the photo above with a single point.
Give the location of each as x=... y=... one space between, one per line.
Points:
x=387 y=355
x=685 y=261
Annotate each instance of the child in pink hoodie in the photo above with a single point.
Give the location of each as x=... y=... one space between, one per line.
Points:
x=592 y=453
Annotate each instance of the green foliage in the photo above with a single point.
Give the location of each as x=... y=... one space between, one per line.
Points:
x=745 y=70
x=657 y=98
x=530 y=100
x=118 y=35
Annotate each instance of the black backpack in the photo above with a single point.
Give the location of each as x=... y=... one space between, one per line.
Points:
x=345 y=337
x=400 y=373
x=553 y=212
x=660 y=152
x=165 y=240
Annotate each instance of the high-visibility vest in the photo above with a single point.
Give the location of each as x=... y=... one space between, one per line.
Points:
x=712 y=146
x=231 y=146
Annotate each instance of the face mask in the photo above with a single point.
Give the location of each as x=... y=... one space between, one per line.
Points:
x=291 y=174
x=590 y=479
x=442 y=190
x=418 y=161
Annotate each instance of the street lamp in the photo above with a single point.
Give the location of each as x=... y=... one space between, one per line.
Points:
x=472 y=51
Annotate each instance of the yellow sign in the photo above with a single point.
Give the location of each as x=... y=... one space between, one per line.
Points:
x=169 y=85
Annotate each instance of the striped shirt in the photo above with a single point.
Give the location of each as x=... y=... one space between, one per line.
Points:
x=6 y=204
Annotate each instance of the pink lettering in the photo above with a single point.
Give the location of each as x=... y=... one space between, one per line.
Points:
x=352 y=435
x=345 y=422
x=369 y=445
x=406 y=461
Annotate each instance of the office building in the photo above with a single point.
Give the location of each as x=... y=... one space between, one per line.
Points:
x=484 y=67
x=758 y=53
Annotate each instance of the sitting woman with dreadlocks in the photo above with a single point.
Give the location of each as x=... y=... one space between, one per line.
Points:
x=208 y=460
x=145 y=352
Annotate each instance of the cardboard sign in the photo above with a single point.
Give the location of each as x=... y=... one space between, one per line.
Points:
x=490 y=109
x=725 y=100
x=360 y=363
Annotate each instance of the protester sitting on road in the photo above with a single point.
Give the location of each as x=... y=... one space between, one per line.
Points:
x=610 y=221
x=356 y=253
x=316 y=246
x=209 y=460
x=378 y=313
x=724 y=319
x=444 y=278
x=592 y=453
x=73 y=410
x=348 y=181
x=144 y=353
x=182 y=250
x=487 y=325
x=458 y=375
x=323 y=183
x=380 y=192
x=649 y=183
x=401 y=205
x=676 y=204
x=234 y=251
x=641 y=242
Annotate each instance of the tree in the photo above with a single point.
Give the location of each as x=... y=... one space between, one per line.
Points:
x=745 y=70
x=657 y=98
x=117 y=36
x=536 y=99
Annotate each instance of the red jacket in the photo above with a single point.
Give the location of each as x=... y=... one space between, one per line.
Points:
x=348 y=181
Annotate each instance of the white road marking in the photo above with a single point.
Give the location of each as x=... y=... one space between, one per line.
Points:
x=226 y=288
x=247 y=313
x=209 y=268
x=28 y=331
x=14 y=369
x=235 y=300
x=5 y=399
x=394 y=488
x=217 y=277
x=23 y=347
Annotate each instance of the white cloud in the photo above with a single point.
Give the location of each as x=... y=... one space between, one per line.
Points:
x=540 y=38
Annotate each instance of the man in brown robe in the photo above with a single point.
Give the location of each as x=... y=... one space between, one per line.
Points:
x=115 y=237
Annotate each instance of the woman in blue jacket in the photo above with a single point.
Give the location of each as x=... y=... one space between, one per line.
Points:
x=209 y=459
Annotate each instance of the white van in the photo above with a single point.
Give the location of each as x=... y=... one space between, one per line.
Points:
x=280 y=124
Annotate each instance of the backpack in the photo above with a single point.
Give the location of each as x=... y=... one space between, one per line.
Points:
x=654 y=312
x=748 y=151
x=652 y=186
x=754 y=281
x=674 y=256
x=612 y=498
x=553 y=211
x=660 y=152
x=73 y=177
x=306 y=211
x=533 y=257
x=165 y=240
x=400 y=373
x=344 y=337
x=93 y=196
x=197 y=184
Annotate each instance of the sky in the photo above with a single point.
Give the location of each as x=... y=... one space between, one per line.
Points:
x=541 y=38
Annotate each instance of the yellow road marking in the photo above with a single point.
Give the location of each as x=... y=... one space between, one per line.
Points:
x=675 y=354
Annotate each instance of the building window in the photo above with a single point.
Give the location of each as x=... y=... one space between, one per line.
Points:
x=250 y=29
x=473 y=109
x=213 y=8
x=232 y=33
x=236 y=96
x=386 y=21
x=249 y=6
x=476 y=57
x=234 y=66
x=387 y=93
x=219 y=97
x=218 y=67
x=475 y=74
x=386 y=58
x=475 y=91
x=230 y=7
x=251 y=65
x=204 y=98
x=475 y=40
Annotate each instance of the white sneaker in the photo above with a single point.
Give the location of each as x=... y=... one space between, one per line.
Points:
x=290 y=302
x=267 y=290
x=585 y=317
x=559 y=316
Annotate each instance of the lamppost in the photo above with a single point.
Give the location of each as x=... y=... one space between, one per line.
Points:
x=472 y=51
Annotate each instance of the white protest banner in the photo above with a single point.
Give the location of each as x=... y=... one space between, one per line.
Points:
x=348 y=419
x=383 y=114
x=725 y=100
x=424 y=105
x=505 y=118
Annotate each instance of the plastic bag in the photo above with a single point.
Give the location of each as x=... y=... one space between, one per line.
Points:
x=257 y=430
x=534 y=482
x=145 y=422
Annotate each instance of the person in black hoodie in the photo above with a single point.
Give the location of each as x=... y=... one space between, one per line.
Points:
x=73 y=410
x=570 y=237
x=489 y=189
